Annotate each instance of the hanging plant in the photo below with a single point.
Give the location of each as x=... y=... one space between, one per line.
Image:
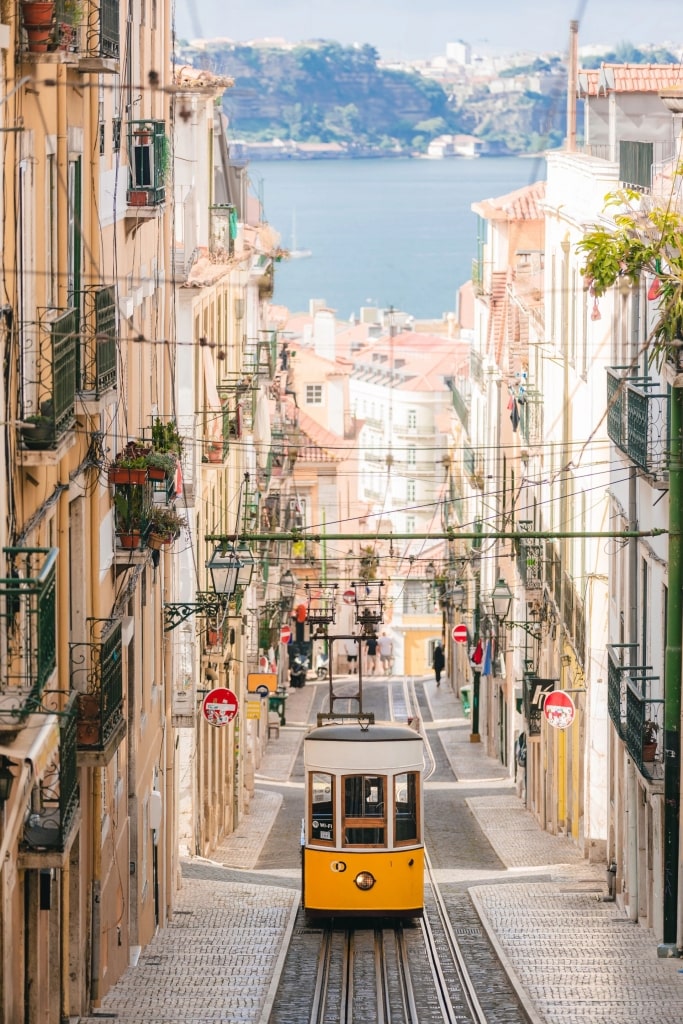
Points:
x=641 y=241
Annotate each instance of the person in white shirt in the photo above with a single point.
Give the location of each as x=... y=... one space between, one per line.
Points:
x=385 y=646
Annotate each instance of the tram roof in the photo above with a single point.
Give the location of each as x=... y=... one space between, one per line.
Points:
x=352 y=732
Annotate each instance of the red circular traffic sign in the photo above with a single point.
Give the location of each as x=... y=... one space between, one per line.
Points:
x=285 y=635
x=559 y=709
x=459 y=633
x=220 y=706
x=349 y=596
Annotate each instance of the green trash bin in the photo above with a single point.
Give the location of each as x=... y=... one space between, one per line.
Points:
x=466 y=700
x=276 y=702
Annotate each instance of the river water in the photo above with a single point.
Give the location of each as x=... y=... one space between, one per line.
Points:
x=386 y=232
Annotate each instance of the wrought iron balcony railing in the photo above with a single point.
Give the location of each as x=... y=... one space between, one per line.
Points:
x=530 y=409
x=55 y=799
x=98 y=665
x=644 y=726
x=27 y=631
x=617 y=672
x=638 y=421
x=49 y=375
x=530 y=559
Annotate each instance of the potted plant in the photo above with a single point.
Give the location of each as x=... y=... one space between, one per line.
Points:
x=38 y=431
x=69 y=17
x=650 y=730
x=161 y=465
x=38 y=18
x=129 y=469
x=165 y=437
x=130 y=516
x=165 y=525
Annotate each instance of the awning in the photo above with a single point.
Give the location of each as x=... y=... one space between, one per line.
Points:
x=32 y=750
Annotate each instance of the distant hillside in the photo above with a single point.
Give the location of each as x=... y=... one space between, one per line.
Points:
x=322 y=92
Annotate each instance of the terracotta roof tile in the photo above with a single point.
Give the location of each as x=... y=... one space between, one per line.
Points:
x=630 y=78
x=522 y=204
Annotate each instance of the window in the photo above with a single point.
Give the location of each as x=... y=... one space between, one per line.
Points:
x=321 y=808
x=406 y=808
x=410 y=524
x=364 y=810
x=412 y=419
x=410 y=490
x=314 y=394
x=412 y=456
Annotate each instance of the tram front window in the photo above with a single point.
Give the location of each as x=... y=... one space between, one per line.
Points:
x=364 y=810
x=322 y=803
x=405 y=796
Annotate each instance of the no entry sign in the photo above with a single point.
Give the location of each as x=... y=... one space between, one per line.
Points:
x=559 y=709
x=349 y=596
x=220 y=706
x=285 y=635
x=459 y=633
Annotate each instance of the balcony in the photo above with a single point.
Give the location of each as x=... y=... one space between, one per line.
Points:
x=616 y=683
x=97 y=371
x=97 y=677
x=530 y=561
x=27 y=625
x=643 y=711
x=638 y=421
x=531 y=418
x=149 y=156
x=49 y=373
x=54 y=814
x=67 y=32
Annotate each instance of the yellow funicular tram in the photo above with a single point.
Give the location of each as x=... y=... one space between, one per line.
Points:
x=362 y=835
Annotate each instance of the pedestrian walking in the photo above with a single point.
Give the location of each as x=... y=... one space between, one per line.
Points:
x=371 y=656
x=385 y=645
x=351 y=650
x=438 y=662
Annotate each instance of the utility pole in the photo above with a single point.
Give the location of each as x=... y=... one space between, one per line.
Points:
x=673 y=663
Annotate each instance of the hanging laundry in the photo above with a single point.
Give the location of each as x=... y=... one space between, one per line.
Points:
x=514 y=415
x=486 y=666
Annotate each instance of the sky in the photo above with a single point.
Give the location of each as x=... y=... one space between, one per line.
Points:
x=417 y=29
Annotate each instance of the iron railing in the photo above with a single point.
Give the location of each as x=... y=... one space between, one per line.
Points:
x=638 y=421
x=56 y=800
x=28 y=598
x=100 y=706
x=616 y=684
x=641 y=710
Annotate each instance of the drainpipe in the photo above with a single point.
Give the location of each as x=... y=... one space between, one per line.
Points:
x=672 y=938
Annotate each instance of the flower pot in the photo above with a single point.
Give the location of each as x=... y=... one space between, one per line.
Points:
x=215 y=453
x=38 y=20
x=138 y=197
x=155 y=473
x=649 y=751
x=156 y=541
x=119 y=475
x=130 y=540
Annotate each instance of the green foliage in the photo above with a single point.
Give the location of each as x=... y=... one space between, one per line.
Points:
x=641 y=241
x=165 y=437
x=166 y=521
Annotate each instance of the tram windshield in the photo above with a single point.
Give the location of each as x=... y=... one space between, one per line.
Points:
x=364 y=810
x=322 y=803
x=405 y=803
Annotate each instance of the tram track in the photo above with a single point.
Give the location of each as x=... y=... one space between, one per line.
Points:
x=363 y=975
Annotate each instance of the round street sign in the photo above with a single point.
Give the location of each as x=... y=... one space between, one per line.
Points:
x=459 y=633
x=220 y=706
x=559 y=709
x=263 y=690
x=349 y=596
x=285 y=635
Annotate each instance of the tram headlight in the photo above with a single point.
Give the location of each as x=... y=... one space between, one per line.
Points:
x=364 y=880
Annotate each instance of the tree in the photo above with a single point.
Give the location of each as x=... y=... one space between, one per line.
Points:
x=643 y=240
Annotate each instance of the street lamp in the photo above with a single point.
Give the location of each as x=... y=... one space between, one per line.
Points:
x=246 y=569
x=501 y=599
x=457 y=595
x=224 y=566
x=287 y=589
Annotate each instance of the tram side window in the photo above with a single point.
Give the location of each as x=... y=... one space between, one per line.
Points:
x=405 y=797
x=322 y=808
x=364 y=810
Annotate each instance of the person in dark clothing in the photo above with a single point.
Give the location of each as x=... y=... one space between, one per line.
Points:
x=438 y=662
